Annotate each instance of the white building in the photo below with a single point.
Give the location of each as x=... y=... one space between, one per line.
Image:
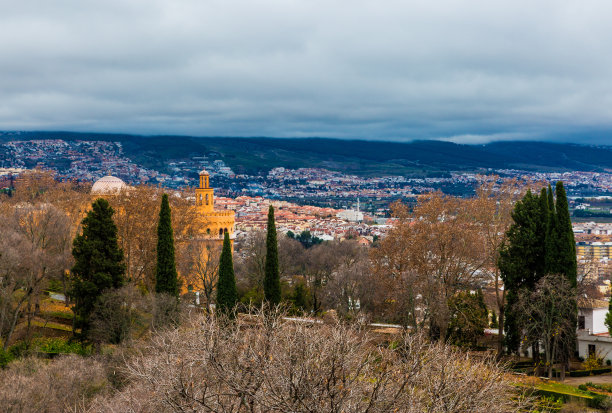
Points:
x=593 y=336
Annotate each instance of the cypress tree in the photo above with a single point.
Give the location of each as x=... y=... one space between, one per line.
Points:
x=98 y=262
x=227 y=296
x=521 y=260
x=166 y=278
x=565 y=244
x=272 y=290
x=565 y=261
x=543 y=226
x=550 y=232
x=551 y=200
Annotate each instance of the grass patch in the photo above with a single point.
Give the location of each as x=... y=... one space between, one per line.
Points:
x=52 y=325
x=58 y=314
x=562 y=388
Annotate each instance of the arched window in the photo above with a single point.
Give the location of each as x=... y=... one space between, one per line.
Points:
x=206 y=199
x=200 y=199
x=220 y=232
x=208 y=231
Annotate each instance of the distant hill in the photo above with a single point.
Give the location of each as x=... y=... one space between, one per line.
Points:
x=255 y=155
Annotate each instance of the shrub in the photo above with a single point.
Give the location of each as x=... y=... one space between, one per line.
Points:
x=592 y=362
x=583 y=387
x=608 y=362
x=599 y=401
x=61 y=346
x=5 y=357
x=580 y=373
x=269 y=365
x=61 y=385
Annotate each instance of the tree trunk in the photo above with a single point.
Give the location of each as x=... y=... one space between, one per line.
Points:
x=562 y=371
x=500 y=336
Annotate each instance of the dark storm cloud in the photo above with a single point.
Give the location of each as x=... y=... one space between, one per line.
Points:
x=467 y=71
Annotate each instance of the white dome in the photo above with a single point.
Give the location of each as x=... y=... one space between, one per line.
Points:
x=203 y=172
x=108 y=185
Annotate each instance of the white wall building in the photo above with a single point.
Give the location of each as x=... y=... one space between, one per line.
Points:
x=593 y=336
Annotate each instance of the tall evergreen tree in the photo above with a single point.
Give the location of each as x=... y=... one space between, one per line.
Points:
x=166 y=278
x=521 y=259
x=227 y=296
x=565 y=262
x=550 y=232
x=272 y=289
x=565 y=244
x=98 y=262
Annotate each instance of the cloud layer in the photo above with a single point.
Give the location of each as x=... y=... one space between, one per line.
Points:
x=467 y=71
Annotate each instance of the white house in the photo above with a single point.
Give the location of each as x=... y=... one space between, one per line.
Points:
x=593 y=336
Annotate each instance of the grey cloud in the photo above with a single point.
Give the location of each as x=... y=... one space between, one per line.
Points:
x=467 y=71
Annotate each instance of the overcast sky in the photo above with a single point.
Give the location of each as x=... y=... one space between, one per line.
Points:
x=467 y=71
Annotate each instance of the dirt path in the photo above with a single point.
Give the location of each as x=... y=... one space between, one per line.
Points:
x=600 y=379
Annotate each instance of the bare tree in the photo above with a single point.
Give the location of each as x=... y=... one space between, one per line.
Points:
x=543 y=317
x=65 y=385
x=492 y=209
x=204 y=272
x=262 y=364
x=432 y=252
x=33 y=248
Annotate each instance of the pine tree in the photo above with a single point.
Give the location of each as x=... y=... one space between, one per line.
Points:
x=227 y=296
x=272 y=289
x=166 y=278
x=98 y=265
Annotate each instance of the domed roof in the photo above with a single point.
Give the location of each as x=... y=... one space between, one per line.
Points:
x=108 y=185
x=203 y=172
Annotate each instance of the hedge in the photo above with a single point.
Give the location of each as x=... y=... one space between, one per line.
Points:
x=584 y=373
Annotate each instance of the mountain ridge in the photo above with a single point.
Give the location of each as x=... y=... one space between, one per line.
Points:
x=362 y=157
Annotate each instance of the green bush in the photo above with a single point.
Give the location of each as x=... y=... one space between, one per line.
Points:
x=5 y=357
x=55 y=286
x=583 y=387
x=580 y=373
x=60 y=345
x=603 y=387
x=599 y=401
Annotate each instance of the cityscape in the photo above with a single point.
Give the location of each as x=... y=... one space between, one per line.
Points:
x=305 y=207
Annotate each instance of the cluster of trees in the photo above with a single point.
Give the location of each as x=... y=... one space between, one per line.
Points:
x=426 y=274
x=419 y=275
x=539 y=269
x=433 y=261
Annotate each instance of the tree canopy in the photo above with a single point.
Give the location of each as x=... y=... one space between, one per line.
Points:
x=98 y=262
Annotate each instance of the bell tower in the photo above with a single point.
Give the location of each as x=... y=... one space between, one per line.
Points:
x=205 y=194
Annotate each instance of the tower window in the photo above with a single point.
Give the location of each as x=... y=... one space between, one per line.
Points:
x=206 y=199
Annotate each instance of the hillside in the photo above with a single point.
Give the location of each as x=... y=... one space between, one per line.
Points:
x=254 y=155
